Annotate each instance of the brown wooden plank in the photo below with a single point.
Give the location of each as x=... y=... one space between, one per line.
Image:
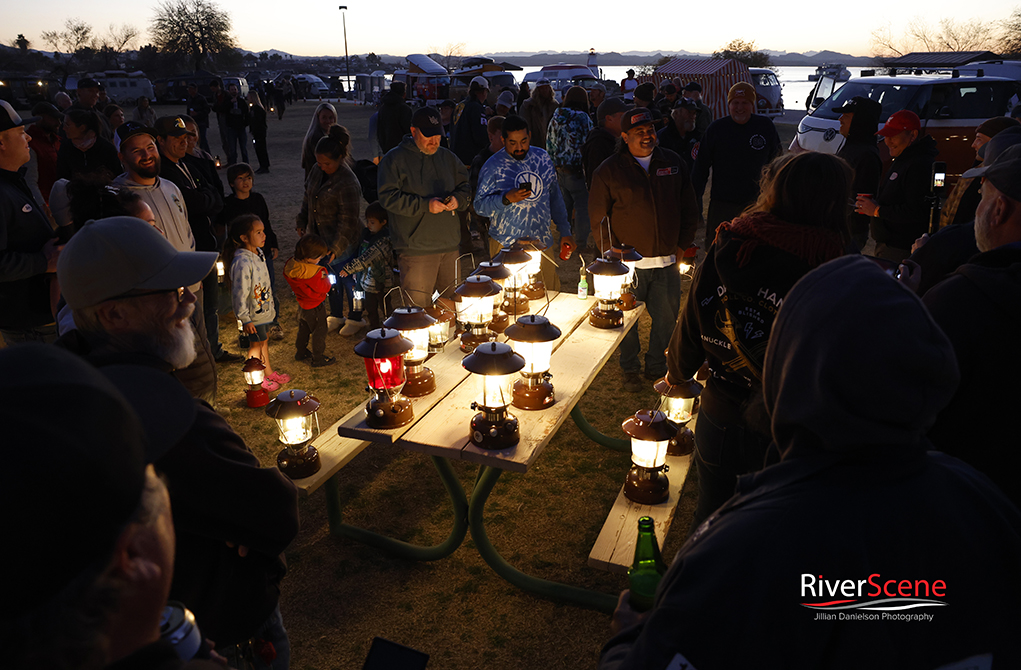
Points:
x=334 y=453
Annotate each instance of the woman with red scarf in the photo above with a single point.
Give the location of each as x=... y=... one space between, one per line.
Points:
x=799 y=222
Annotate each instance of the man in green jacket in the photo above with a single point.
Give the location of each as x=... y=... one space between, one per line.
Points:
x=423 y=186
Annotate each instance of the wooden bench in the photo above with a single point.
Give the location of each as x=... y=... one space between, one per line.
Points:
x=614 y=549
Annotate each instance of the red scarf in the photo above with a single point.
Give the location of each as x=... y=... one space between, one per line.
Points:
x=813 y=245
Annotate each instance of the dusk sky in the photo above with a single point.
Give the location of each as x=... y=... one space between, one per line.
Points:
x=400 y=27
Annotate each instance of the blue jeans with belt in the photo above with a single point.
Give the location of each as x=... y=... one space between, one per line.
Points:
x=660 y=290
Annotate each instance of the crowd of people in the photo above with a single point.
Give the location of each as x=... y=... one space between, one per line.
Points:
x=854 y=420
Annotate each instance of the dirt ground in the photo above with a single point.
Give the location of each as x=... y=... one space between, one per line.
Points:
x=339 y=594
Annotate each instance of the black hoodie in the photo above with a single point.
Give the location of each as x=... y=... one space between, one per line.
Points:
x=861 y=151
x=903 y=210
x=855 y=373
x=393 y=121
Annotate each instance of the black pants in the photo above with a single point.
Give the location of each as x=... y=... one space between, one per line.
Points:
x=312 y=322
x=260 y=150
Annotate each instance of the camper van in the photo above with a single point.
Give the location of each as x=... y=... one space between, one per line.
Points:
x=563 y=75
x=768 y=92
x=122 y=88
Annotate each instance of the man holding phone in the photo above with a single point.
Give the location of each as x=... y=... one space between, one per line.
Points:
x=900 y=211
x=519 y=192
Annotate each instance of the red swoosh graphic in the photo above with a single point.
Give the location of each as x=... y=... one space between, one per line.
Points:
x=832 y=602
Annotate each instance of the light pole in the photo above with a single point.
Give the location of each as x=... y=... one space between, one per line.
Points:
x=347 y=62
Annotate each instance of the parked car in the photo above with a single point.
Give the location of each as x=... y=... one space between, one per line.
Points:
x=768 y=91
x=951 y=108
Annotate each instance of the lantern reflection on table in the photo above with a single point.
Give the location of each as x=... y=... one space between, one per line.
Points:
x=630 y=257
x=297 y=422
x=650 y=434
x=413 y=323
x=608 y=276
x=383 y=351
x=499 y=273
x=495 y=365
x=475 y=310
x=254 y=373
x=532 y=336
x=515 y=259
x=534 y=288
x=679 y=402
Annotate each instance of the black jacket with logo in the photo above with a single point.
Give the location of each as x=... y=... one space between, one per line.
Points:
x=903 y=210
x=24 y=283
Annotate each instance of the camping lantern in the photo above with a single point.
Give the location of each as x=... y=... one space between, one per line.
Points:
x=532 y=337
x=383 y=351
x=295 y=414
x=534 y=289
x=413 y=323
x=254 y=373
x=630 y=257
x=221 y=271
x=515 y=259
x=243 y=341
x=608 y=276
x=494 y=363
x=679 y=402
x=650 y=434
x=475 y=310
x=499 y=273
x=443 y=330
x=217 y=161
x=357 y=300
x=687 y=262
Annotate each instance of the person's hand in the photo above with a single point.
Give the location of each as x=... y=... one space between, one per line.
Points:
x=341 y=273
x=274 y=253
x=910 y=274
x=624 y=616
x=452 y=205
x=51 y=250
x=242 y=549
x=436 y=206
x=866 y=205
x=920 y=242
x=250 y=328
x=517 y=194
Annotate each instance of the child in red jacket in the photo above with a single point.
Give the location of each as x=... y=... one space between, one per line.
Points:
x=310 y=284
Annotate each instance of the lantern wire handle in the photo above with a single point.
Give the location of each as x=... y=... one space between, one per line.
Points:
x=457 y=265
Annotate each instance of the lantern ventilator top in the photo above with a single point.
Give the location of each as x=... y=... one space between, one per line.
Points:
x=409 y=318
x=294 y=404
x=649 y=426
x=493 y=358
x=383 y=343
x=533 y=328
x=689 y=388
x=608 y=267
x=495 y=270
x=624 y=252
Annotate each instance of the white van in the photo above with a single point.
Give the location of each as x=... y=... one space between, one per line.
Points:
x=123 y=88
x=768 y=92
x=316 y=86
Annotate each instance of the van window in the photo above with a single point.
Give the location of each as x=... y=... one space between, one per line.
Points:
x=765 y=79
x=969 y=100
x=892 y=97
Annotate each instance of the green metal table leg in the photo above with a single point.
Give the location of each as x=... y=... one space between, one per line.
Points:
x=398 y=548
x=541 y=587
x=591 y=433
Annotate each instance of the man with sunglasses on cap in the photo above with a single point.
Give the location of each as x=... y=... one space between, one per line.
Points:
x=128 y=289
x=28 y=245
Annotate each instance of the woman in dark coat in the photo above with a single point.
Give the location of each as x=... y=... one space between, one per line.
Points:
x=86 y=153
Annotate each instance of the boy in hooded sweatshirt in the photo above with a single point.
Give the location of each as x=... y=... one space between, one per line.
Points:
x=373 y=270
x=311 y=285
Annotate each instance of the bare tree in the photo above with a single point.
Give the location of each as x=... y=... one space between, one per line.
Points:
x=884 y=44
x=1010 y=41
x=920 y=35
x=67 y=44
x=198 y=28
x=451 y=55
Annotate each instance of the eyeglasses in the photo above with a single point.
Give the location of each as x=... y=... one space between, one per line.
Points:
x=180 y=294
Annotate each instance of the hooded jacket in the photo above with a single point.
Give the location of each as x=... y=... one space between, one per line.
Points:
x=251 y=290
x=861 y=151
x=979 y=308
x=393 y=122
x=374 y=263
x=167 y=204
x=471 y=132
x=854 y=375
x=407 y=180
x=903 y=210
x=735 y=296
x=308 y=281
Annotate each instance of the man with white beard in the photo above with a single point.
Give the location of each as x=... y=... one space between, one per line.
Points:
x=128 y=288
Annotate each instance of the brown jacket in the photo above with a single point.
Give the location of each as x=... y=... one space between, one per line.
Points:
x=655 y=211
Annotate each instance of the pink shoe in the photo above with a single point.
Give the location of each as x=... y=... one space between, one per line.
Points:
x=270 y=385
x=279 y=377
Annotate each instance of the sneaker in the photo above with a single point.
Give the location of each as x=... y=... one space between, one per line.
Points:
x=279 y=377
x=352 y=327
x=276 y=333
x=270 y=385
x=227 y=357
x=324 y=361
x=633 y=382
x=264 y=170
x=302 y=355
x=334 y=323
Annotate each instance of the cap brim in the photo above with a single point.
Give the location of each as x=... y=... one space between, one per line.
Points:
x=975 y=172
x=29 y=120
x=186 y=268
x=164 y=406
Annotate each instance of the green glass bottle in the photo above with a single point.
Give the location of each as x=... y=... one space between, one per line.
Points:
x=648 y=567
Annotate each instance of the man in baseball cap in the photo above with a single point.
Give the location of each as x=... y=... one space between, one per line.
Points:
x=693 y=91
x=28 y=246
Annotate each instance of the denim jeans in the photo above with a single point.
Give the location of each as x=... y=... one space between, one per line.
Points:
x=572 y=185
x=660 y=290
x=236 y=137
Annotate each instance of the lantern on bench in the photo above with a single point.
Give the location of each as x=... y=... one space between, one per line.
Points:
x=532 y=336
x=608 y=277
x=679 y=402
x=443 y=330
x=626 y=254
x=383 y=351
x=297 y=421
x=515 y=259
x=254 y=373
x=476 y=297
x=499 y=273
x=413 y=323
x=650 y=435
x=534 y=288
x=495 y=365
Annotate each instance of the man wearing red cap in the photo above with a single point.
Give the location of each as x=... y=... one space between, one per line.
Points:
x=900 y=211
